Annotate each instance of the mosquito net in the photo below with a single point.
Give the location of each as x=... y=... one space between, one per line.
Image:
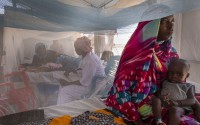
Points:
x=63 y=15
x=54 y=25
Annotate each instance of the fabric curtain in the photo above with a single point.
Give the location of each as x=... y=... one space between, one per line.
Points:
x=103 y=43
x=190 y=43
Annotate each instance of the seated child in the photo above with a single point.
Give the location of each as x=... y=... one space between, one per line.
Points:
x=176 y=94
x=106 y=56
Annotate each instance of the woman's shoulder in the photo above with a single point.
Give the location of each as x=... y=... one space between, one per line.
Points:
x=93 y=56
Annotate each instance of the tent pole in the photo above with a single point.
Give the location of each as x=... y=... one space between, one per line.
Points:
x=90 y=4
x=106 y=3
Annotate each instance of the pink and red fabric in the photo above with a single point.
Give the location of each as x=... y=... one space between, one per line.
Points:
x=141 y=70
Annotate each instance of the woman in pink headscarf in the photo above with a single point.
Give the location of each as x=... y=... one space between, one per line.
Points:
x=89 y=67
x=142 y=69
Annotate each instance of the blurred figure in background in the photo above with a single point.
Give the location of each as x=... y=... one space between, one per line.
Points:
x=89 y=67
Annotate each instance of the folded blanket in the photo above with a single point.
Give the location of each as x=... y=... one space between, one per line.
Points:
x=51 y=77
x=66 y=120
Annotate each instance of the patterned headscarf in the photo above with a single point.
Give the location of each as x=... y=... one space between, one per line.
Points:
x=83 y=43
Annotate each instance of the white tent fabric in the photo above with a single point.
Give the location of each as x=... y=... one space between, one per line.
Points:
x=187 y=41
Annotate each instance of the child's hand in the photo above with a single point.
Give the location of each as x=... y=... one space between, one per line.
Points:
x=164 y=97
x=169 y=103
x=173 y=103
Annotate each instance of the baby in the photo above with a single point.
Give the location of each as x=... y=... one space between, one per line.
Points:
x=176 y=94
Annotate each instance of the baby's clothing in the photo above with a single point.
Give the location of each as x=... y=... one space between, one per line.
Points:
x=176 y=91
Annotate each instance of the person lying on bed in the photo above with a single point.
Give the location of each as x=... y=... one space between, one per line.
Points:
x=89 y=67
x=176 y=94
x=142 y=69
x=43 y=56
x=43 y=60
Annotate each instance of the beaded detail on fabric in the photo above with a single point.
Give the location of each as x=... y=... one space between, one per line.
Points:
x=93 y=118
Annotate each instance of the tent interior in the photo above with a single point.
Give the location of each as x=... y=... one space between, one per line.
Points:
x=58 y=23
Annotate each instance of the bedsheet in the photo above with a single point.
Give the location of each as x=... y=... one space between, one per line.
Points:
x=74 y=108
x=50 y=77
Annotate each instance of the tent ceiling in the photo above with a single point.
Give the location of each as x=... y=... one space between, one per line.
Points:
x=89 y=15
x=103 y=3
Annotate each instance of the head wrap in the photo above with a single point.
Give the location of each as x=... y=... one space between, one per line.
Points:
x=83 y=43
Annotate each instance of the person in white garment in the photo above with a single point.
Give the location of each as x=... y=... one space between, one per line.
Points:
x=89 y=67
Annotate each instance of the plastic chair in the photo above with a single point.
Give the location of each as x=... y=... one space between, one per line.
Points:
x=22 y=98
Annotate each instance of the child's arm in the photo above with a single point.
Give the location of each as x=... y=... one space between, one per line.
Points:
x=190 y=98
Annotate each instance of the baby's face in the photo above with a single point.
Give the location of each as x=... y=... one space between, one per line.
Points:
x=177 y=73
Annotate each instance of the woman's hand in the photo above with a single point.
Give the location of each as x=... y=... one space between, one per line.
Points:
x=63 y=82
x=66 y=73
